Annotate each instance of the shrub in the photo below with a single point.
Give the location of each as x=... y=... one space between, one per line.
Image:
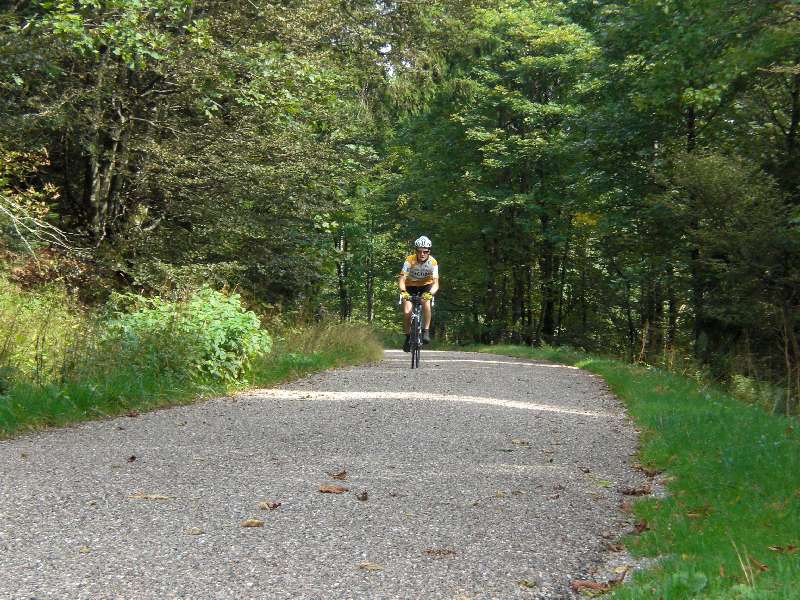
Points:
x=210 y=335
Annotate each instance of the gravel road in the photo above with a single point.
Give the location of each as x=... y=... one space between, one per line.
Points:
x=476 y=476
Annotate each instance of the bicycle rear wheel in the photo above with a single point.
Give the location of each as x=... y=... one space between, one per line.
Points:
x=414 y=345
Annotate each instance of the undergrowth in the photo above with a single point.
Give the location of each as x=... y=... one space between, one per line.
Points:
x=60 y=363
x=730 y=525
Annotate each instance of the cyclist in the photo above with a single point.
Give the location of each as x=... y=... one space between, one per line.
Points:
x=420 y=275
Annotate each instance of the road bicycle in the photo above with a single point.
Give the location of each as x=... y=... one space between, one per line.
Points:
x=415 y=330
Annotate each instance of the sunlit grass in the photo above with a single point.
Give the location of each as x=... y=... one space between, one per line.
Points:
x=730 y=526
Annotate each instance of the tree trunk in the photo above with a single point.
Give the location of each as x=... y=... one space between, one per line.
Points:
x=548 y=268
x=489 y=336
x=342 y=271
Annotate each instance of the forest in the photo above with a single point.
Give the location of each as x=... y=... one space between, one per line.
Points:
x=618 y=177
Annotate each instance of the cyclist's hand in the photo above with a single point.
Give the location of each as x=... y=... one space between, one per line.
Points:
x=427 y=296
x=405 y=295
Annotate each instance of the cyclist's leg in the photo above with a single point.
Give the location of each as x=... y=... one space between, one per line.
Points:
x=426 y=317
x=407 y=306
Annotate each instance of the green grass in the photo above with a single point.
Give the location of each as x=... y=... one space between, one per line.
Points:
x=730 y=527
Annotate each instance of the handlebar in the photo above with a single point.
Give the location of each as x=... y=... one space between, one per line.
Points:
x=415 y=298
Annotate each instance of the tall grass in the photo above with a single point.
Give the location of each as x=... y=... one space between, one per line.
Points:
x=314 y=348
x=42 y=335
x=730 y=526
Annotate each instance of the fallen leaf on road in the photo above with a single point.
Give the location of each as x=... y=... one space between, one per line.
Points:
x=339 y=475
x=615 y=547
x=131 y=458
x=84 y=549
x=527 y=583
x=439 y=552
x=252 y=523
x=194 y=531
x=363 y=496
x=637 y=491
x=520 y=442
x=142 y=496
x=267 y=505
x=133 y=413
x=370 y=566
x=333 y=489
x=580 y=585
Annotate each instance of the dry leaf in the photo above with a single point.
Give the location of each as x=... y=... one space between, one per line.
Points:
x=439 y=552
x=615 y=547
x=639 y=491
x=784 y=549
x=370 y=566
x=133 y=413
x=527 y=583
x=641 y=526
x=84 y=549
x=363 y=496
x=268 y=505
x=621 y=569
x=142 y=496
x=333 y=489
x=519 y=442
x=578 y=585
x=131 y=458
x=340 y=475
x=194 y=531
x=649 y=471
x=758 y=565
x=252 y=523
x=24 y=455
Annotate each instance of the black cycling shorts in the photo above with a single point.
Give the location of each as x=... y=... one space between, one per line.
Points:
x=418 y=290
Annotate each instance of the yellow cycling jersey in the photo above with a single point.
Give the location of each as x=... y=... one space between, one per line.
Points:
x=420 y=272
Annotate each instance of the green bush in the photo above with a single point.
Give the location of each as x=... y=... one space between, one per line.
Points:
x=209 y=336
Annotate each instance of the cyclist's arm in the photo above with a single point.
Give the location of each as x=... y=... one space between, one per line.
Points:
x=401 y=282
x=434 y=286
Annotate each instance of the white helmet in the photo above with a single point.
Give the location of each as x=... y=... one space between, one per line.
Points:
x=422 y=242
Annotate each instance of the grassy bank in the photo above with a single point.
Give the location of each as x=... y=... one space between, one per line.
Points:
x=61 y=364
x=26 y=406
x=730 y=527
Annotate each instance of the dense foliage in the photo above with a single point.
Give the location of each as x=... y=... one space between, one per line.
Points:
x=612 y=175
x=210 y=335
